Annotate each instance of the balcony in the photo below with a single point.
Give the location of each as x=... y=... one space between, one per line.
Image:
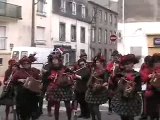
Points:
x=8 y=10
x=3 y=43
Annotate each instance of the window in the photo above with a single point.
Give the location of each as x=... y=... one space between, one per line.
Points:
x=63 y=5
x=93 y=34
x=93 y=52
x=94 y=12
x=99 y=35
x=110 y=18
x=41 y=6
x=110 y=53
x=40 y=35
x=137 y=51
x=115 y=20
x=109 y=36
x=2 y=37
x=100 y=50
x=105 y=54
x=73 y=8
x=15 y=55
x=66 y=58
x=1 y=61
x=82 y=35
x=83 y=11
x=100 y=15
x=24 y=53
x=106 y=36
x=62 y=33
x=73 y=33
x=106 y=17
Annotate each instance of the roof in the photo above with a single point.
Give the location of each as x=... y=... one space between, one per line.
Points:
x=103 y=7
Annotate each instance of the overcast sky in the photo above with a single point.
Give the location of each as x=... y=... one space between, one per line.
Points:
x=114 y=0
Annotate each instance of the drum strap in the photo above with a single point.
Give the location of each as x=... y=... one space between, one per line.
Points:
x=29 y=75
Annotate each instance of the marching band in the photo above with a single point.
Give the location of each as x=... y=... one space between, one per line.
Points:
x=85 y=84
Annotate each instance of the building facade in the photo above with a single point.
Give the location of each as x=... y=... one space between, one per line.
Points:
x=103 y=25
x=71 y=27
x=139 y=27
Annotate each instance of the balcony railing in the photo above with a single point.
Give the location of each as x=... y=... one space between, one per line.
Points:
x=10 y=10
x=3 y=43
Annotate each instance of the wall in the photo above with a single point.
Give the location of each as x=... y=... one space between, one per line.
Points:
x=151 y=47
x=135 y=35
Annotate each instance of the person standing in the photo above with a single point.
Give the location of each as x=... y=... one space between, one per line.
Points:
x=146 y=68
x=111 y=68
x=97 y=87
x=26 y=99
x=127 y=101
x=151 y=76
x=60 y=87
x=81 y=86
x=12 y=66
x=45 y=82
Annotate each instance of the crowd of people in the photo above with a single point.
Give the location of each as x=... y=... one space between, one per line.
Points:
x=85 y=84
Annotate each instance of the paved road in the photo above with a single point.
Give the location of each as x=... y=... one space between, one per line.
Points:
x=103 y=108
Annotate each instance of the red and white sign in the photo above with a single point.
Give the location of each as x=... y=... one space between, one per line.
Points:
x=113 y=38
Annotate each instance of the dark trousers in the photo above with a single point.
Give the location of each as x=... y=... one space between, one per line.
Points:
x=127 y=118
x=26 y=105
x=80 y=97
x=109 y=103
x=44 y=89
x=95 y=112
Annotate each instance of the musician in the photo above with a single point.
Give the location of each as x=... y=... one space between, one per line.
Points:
x=81 y=87
x=152 y=93
x=146 y=68
x=26 y=100
x=60 y=87
x=112 y=67
x=127 y=101
x=97 y=87
x=45 y=82
x=83 y=56
x=12 y=66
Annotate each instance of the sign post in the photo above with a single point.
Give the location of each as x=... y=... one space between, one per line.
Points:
x=113 y=38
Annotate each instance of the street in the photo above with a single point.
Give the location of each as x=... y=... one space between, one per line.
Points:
x=103 y=109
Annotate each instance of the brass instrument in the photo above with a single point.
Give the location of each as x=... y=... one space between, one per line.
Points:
x=155 y=80
x=127 y=87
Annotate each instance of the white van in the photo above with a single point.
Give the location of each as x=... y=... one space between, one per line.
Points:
x=41 y=55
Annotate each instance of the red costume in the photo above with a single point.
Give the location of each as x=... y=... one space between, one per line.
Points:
x=26 y=100
x=151 y=94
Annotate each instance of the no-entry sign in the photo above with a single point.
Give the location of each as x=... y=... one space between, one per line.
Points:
x=113 y=38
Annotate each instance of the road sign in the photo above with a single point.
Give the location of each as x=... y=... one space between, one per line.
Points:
x=113 y=38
